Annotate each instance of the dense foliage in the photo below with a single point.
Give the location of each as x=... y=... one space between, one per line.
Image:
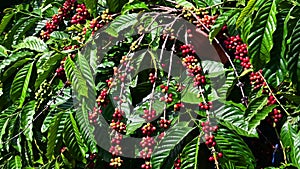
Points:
x=199 y=84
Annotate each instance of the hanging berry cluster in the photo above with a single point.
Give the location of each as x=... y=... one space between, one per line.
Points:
x=147 y=144
x=81 y=15
x=57 y=19
x=235 y=44
x=195 y=70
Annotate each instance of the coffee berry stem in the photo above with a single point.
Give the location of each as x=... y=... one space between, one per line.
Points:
x=287 y=113
x=227 y=55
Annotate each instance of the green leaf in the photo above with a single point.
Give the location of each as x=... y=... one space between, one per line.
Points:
x=23 y=29
x=213 y=68
x=220 y=22
x=59 y=35
x=200 y=3
x=5 y=21
x=91 y=5
x=255 y=106
x=133 y=6
x=15 y=162
x=245 y=29
x=54 y=138
x=234 y=149
x=231 y=115
x=226 y=89
x=20 y=84
x=116 y=5
x=255 y=119
x=27 y=114
x=246 y=12
x=77 y=80
x=163 y=155
x=290 y=139
x=293 y=60
x=3 y=51
x=120 y=23
x=86 y=72
x=185 y=3
x=261 y=37
x=86 y=129
x=7 y=62
x=190 y=154
x=33 y=43
x=47 y=68
x=72 y=139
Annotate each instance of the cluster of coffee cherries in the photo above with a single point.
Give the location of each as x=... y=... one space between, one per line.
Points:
x=177 y=163
x=116 y=162
x=168 y=33
x=205 y=22
x=147 y=144
x=93 y=115
x=168 y=98
x=53 y=24
x=275 y=115
x=60 y=71
x=102 y=99
x=239 y=49
x=164 y=123
x=116 y=149
x=95 y=25
x=81 y=15
x=192 y=64
x=205 y=106
x=118 y=127
x=152 y=78
x=178 y=106
x=208 y=129
x=149 y=115
x=257 y=80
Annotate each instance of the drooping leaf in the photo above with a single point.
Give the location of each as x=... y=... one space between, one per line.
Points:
x=20 y=84
x=120 y=23
x=246 y=12
x=231 y=115
x=86 y=129
x=227 y=87
x=5 y=63
x=23 y=29
x=5 y=21
x=33 y=43
x=260 y=39
x=190 y=154
x=91 y=5
x=27 y=114
x=56 y=129
x=293 y=60
x=166 y=151
x=290 y=139
x=15 y=162
x=72 y=139
x=255 y=119
x=86 y=72
x=77 y=80
x=234 y=149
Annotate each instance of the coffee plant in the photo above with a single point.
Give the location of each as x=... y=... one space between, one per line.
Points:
x=150 y=84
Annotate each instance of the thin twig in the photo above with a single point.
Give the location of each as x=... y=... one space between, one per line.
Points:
x=287 y=113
